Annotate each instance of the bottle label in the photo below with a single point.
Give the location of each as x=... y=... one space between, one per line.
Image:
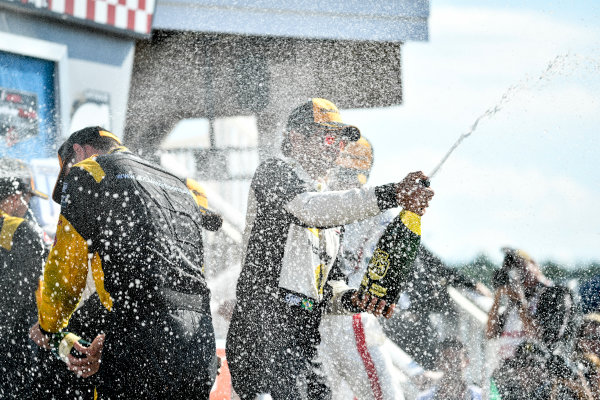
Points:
x=377 y=290
x=379 y=265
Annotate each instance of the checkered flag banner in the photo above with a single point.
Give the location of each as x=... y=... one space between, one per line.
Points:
x=133 y=16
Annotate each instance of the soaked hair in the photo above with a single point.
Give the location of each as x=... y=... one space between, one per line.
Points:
x=102 y=143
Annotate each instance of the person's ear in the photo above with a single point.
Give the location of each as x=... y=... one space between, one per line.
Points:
x=297 y=144
x=89 y=150
x=79 y=153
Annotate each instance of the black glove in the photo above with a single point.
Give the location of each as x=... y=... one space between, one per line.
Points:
x=211 y=221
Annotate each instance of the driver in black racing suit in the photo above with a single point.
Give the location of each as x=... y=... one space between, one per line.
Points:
x=137 y=227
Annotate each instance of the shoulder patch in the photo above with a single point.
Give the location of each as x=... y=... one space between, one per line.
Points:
x=9 y=226
x=91 y=165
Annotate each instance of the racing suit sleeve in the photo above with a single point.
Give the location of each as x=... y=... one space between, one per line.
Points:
x=335 y=208
x=66 y=269
x=276 y=183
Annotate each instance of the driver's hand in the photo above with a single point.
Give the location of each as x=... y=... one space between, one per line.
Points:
x=372 y=304
x=412 y=195
x=90 y=364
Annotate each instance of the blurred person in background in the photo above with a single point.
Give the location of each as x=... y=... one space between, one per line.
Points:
x=545 y=366
x=557 y=319
x=524 y=375
x=518 y=286
x=22 y=253
x=452 y=362
x=351 y=344
x=536 y=373
x=588 y=351
x=426 y=294
x=290 y=272
x=589 y=294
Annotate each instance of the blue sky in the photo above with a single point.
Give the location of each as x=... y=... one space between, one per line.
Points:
x=529 y=176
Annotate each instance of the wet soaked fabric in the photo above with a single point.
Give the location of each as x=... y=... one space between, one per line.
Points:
x=21 y=260
x=283 y=361
x=137 y=228
x=351 y=344
x=274 y=330
x=183 y=366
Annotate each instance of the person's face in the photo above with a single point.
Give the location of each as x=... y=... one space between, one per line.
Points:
x=527 y=271
x=531 y=275
x=320 y=148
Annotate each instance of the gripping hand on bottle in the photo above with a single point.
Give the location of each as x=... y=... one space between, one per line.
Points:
x=412 y=193
x=89 y=364
x=372 y=304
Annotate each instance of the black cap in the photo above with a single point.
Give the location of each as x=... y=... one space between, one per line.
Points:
x=15 y=176
x=90 y=135
x=321 y=113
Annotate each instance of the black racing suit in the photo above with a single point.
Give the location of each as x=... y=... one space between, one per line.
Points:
x=290 y=275
x=136 y=227
x=21 y=261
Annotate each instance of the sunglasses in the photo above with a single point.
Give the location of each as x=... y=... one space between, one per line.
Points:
x=333 y=138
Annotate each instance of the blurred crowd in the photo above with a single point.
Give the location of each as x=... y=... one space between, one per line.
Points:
x=541 y=338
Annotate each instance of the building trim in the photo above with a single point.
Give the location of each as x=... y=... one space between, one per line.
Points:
x=386 y=22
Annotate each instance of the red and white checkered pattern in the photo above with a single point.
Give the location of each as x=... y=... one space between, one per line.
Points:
x=131 y=15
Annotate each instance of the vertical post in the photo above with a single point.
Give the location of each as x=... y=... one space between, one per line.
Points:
x=209 y=93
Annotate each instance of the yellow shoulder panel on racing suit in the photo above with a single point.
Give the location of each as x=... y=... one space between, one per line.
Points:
x=198 y=193
x=92 y=166
x=66 y=269
x=9 y=226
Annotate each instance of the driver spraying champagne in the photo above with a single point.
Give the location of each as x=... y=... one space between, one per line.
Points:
x=377 y=254
x=290 y=273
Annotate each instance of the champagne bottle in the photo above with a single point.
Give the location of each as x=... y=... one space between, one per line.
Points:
x=61 y=345
x=391 y=264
